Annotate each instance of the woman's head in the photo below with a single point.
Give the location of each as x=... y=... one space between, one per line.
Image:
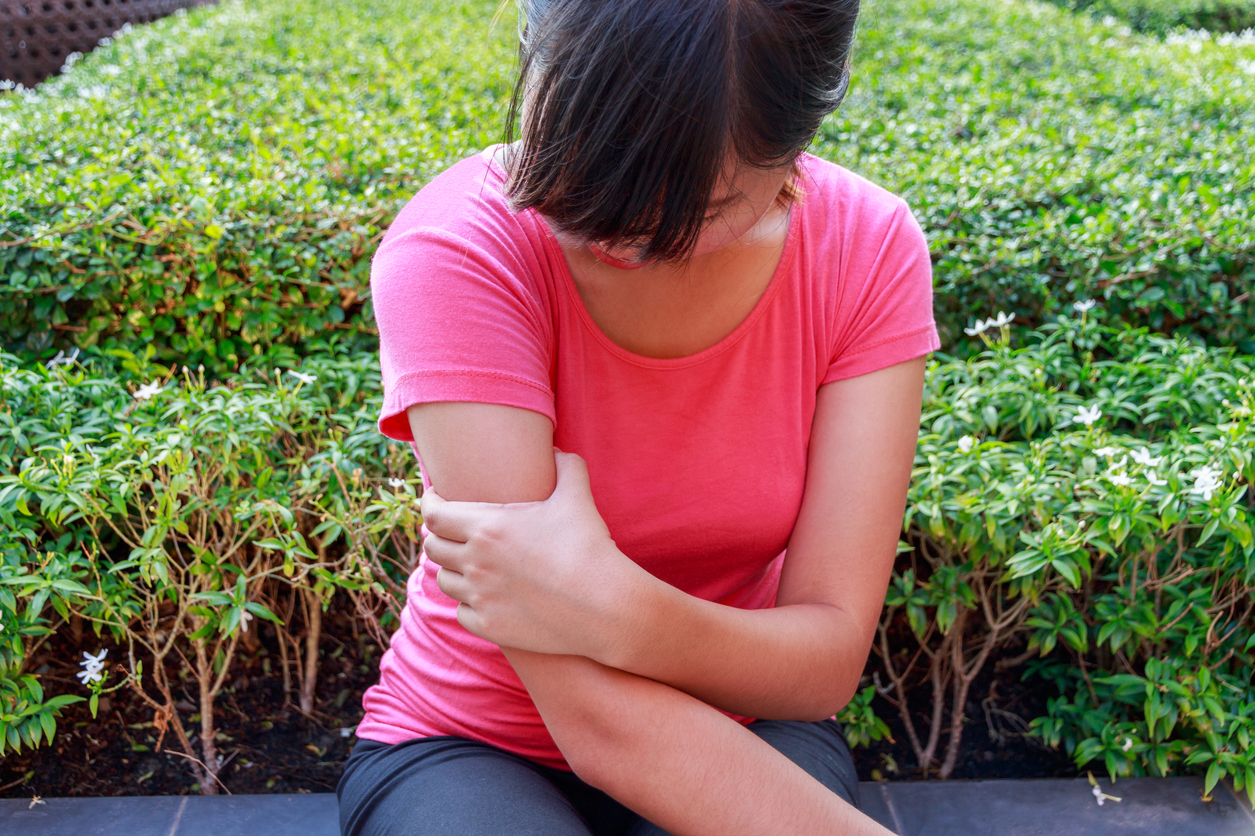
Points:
x=635 y=113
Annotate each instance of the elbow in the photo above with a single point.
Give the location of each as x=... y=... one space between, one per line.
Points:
x=836 y=696
x=594 y=759
x=593 y=750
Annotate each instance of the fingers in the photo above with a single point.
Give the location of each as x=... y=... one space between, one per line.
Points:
x=453 y=584
x=572 y=472
x=449 y=520
x=470 y=619
x=445 y=553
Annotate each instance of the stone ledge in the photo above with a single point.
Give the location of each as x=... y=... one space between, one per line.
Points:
x=1049 y=807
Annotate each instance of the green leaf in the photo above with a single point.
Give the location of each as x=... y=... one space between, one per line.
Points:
x=67 y=585
x=1214 y=774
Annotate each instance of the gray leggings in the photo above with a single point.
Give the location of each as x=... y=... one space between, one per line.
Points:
x=451 y=785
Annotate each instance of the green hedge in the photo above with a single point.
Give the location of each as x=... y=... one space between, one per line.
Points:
x=216 y=183
x=1052 y=157
x=1164 y=16
x=224 y=210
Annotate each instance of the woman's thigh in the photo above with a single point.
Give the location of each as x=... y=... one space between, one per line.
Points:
x=450 y=785
x=819 y=748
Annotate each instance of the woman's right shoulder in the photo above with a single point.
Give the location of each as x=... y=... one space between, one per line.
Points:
x=466 y=199
x=460 y=228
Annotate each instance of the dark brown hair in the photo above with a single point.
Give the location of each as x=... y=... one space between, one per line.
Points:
x=629 y=108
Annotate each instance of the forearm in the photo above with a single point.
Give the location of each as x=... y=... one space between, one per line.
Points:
x=795 y=662
x=666 y=755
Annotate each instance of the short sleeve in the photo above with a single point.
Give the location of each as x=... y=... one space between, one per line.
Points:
x=458 y=320
x=884 y=314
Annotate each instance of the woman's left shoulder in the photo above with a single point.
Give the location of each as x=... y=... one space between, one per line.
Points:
x=840 y=198
x=879 y=271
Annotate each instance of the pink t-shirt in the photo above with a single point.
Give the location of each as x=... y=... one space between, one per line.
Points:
x=475 y=303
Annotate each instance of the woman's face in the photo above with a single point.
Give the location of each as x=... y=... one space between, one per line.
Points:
x=743 y=199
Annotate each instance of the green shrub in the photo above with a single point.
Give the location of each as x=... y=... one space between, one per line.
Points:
x=174 y=514
x=224 y=210
x=1104 y=551
x=1087 y=497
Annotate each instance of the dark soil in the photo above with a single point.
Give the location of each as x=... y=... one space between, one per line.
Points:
x=273 y=747
x=992 y=746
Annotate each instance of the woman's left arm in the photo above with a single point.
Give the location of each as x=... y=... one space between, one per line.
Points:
x=798 y=661
x=802 y=660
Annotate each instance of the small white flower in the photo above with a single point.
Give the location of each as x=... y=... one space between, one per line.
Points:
x=1144 y=457
x=1083 y=305
x=1002 y=319
x=92 y=666
x=1099 y=795
x=979 y=328
x=1206 y=482
x=304 y=378
x=1128 y=744
x=396 y=483
x=348 y=731
x=62 y=359
x=1087 y=415
x=147 y=390
x=965 y=443
x=245 y=618
x=89 y=675
x=1121 y=479
x=1154 y=480
x=1106 y=452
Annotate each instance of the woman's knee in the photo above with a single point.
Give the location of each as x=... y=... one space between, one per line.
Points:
x=450 y=785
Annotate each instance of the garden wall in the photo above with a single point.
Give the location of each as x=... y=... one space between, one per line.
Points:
x=37 y=36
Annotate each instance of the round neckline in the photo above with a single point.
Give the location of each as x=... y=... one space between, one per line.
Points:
x=792 y=233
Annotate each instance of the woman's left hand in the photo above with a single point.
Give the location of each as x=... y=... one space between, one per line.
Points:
x=539 y=576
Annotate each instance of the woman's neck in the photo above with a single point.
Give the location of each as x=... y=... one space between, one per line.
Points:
x=676 y=310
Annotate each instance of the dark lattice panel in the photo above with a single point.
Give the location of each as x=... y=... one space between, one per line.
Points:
x=37 y=35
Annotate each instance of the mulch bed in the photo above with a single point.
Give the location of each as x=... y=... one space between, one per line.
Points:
x=276 y=748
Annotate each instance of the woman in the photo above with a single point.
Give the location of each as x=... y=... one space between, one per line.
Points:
x=662 y=370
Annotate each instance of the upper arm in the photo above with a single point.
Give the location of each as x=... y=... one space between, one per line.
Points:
x=480 y=452
x=859 y=465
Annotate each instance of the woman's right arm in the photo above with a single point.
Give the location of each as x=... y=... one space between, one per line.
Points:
x=666 y=755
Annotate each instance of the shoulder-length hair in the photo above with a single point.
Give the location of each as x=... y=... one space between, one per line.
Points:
x=629 y=109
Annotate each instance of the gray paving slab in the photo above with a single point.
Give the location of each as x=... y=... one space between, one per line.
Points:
x=130 y=816
x=1150 y=807
x=1067 y=807
x=874 y=801
x=313 y=814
